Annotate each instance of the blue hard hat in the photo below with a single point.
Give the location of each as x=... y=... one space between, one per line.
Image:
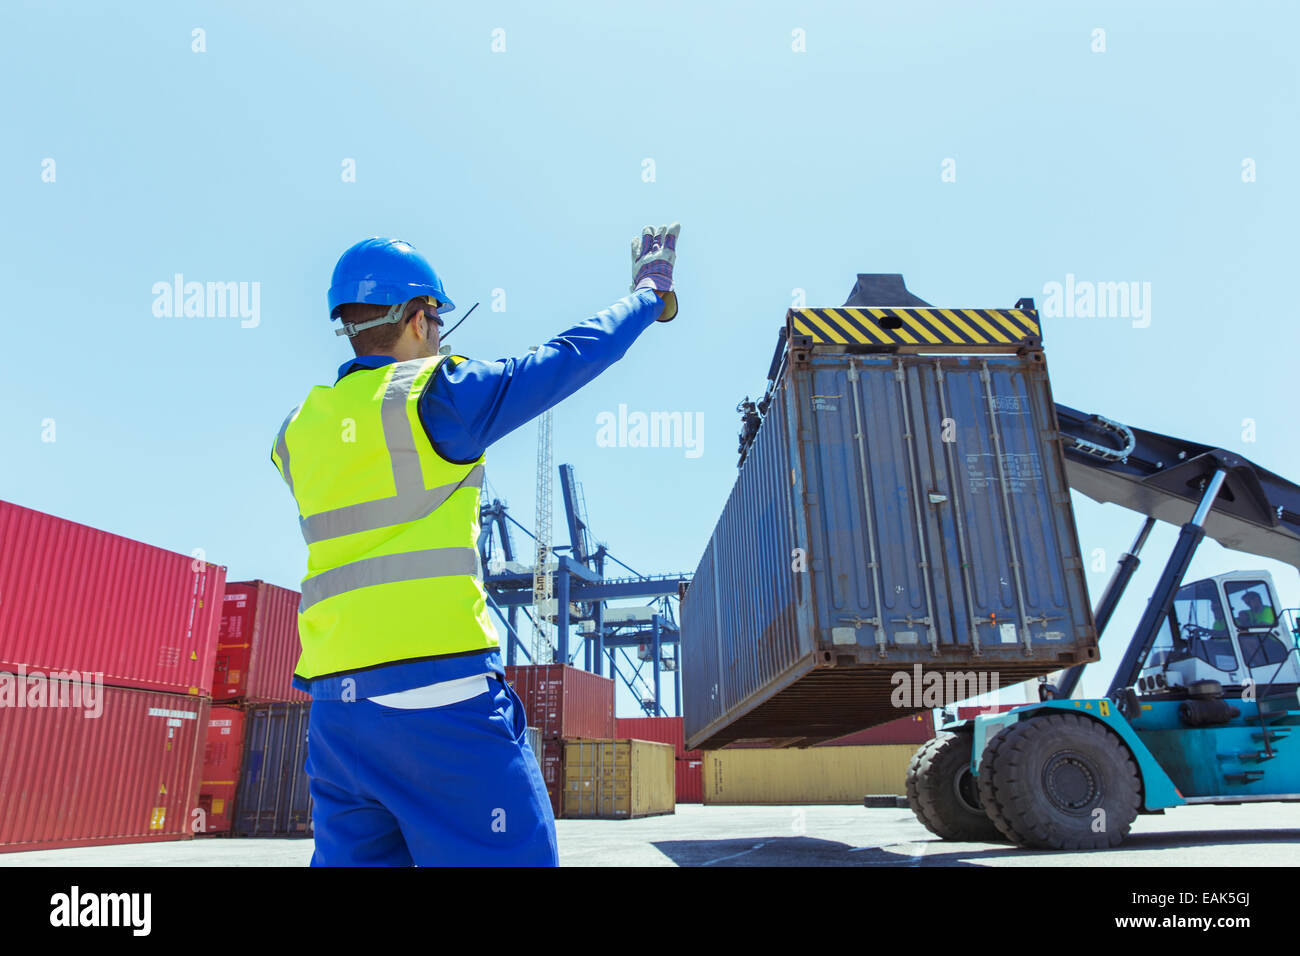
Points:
x=381 y=271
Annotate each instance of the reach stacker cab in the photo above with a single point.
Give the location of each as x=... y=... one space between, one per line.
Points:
x=1204 y=707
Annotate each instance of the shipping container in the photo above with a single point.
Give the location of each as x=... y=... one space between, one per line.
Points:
x=900 y=537
x=690 y=780
x=87 y=765
x=805 y=776
x=551 y=758
x=80 y=602
x=534 y=737
x=222 y=755
x=274 y=799
x=618 y=779
x=258 y=646
x=563 y=701
x=915 y=730
x=667 y=730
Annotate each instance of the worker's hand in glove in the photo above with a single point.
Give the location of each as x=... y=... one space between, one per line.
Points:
x=653 y=256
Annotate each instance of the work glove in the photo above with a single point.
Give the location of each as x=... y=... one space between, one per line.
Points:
x=653 y=256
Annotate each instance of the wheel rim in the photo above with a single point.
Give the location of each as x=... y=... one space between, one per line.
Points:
x=1072 y=782
x=964 y=786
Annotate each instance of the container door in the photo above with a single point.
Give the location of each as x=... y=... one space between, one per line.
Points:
x=873 y=533
x=1010 y=542
x=938 y=513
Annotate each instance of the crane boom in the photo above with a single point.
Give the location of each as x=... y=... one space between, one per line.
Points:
x=1158 y=476
x=1229 y=498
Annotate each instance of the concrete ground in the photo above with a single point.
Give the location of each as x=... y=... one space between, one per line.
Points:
x=1258 y=835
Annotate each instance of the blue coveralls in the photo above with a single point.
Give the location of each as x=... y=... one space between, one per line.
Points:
x=456 y=784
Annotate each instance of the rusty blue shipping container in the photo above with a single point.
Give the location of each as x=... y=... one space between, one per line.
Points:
x=273 y=798
x=897 y=516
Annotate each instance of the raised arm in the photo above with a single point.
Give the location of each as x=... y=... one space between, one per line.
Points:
x=471 y=404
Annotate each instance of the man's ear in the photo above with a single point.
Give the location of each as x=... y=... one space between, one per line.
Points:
x=410 y=325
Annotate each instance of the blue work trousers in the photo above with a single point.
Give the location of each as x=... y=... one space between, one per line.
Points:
x=455 y=785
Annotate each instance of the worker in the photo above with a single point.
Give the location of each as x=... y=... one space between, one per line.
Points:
x=417 y=752
x=1220 y=624
x=1256 y=614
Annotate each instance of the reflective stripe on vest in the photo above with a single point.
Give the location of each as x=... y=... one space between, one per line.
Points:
x=385 y=600
x=412 y=500
x=282 y=451
x=388 y=569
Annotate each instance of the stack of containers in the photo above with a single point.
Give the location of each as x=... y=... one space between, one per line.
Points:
x=562 y=703
x=106 y=651
x=669 y=730
x=253 y=782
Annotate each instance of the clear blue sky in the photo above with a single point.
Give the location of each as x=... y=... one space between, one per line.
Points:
x=522 y=170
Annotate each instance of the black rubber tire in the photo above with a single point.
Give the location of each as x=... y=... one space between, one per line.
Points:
x=942 y=793
x=1041 y=781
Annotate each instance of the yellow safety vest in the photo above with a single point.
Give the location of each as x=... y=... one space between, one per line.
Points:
x=393 y=571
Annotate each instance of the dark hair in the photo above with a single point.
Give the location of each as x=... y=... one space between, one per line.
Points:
x=377 y=340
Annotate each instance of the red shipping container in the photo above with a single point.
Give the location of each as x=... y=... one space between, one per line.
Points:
x=916 y=729
x=257 y=645
x=563 y=701
x=913 y=729
x=690 y=780
x=664 y=730
x=76 y=599
x=223 y=752
x=121 y=769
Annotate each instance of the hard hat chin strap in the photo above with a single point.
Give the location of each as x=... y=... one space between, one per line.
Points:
x=394 y=314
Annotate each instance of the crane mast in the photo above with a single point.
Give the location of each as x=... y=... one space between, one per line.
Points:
x=542 y=581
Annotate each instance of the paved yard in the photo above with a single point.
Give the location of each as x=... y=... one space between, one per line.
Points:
x=1259 y=835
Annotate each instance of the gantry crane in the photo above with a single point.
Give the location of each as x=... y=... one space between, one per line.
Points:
x=581 y=591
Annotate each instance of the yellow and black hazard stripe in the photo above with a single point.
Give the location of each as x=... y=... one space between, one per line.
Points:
x=913 y=330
